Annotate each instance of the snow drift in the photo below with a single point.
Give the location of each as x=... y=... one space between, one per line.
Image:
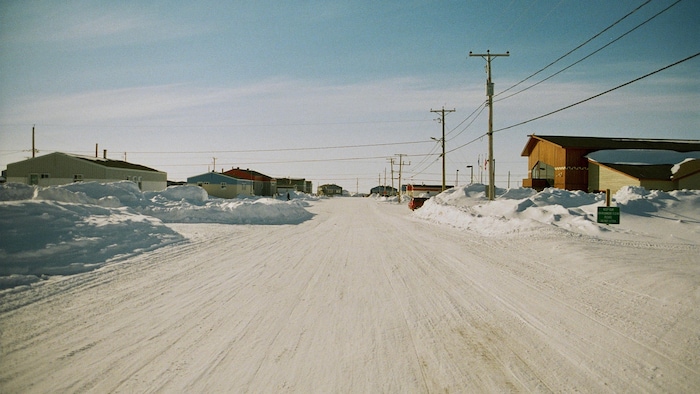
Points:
x=671 y=216
x=68 y=229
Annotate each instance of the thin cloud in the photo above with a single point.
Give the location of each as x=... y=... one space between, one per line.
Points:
x=89 y=25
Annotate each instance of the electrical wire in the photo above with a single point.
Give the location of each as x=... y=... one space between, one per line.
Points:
x=600 y=94
x=592 y=53
x=572 y=51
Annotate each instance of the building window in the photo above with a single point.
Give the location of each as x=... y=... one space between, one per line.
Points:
x=78 y=178
x=542 y=171
x=223 y=185
x=45 y=176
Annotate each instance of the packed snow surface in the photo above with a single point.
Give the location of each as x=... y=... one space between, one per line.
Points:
x=108 y=289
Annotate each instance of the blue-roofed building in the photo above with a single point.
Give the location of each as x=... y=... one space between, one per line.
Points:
x=222 y=186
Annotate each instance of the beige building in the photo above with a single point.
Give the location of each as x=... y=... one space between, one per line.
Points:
x=62 y=168
x=221 y=185
x=666 y=177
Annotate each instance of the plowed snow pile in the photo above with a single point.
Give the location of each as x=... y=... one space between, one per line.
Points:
x=75 y=228
x=672 y=217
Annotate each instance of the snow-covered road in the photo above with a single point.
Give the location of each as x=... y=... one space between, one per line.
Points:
x=363 y=297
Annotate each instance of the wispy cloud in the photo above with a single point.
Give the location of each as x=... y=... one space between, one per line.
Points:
x=88 y=25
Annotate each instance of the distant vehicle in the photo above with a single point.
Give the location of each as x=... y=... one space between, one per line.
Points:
x=416 y=202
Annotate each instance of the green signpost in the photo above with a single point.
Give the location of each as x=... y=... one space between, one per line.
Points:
x=609 y=215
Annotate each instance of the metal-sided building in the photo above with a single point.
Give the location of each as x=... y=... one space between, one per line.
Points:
x=222 y=186
x=62 y=168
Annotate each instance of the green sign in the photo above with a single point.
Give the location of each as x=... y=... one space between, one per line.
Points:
x=609 y=215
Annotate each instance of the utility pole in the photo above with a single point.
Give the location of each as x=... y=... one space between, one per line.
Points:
x=34 y=150
x=391 y=160
x=214 y=170
x=401 y=164
x=442 y=120
x=489 y=92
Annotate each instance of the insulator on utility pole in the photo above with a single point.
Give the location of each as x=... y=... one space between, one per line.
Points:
x=491 y=191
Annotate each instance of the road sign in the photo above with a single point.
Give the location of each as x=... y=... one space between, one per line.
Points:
x=609 y=215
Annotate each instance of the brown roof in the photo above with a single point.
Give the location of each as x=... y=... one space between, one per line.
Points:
x=598 y=143
x=114 y=163
x=247 y=174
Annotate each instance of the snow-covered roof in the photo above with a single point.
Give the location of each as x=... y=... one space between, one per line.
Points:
x=641 y=156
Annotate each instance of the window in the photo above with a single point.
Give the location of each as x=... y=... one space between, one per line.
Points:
x=45 y=176
x=223 y=185
x=542 y=171
x=78 y=178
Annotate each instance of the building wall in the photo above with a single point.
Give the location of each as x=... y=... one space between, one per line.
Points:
x=613 y=180
x=222 y=186
x=574 y=173
x=60 y=169
x=552 y=155
x=651 y=184
x=691 y=182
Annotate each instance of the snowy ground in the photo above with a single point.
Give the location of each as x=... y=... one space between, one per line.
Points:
x=527 y=293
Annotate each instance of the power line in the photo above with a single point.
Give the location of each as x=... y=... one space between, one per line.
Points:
x=571 y=51
x=599 y=94
x=285 y=149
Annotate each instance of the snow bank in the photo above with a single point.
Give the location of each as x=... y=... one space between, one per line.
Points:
x=68 y=229
x=671 y=216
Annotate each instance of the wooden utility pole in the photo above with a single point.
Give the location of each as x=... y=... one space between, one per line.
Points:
x=491 y=191
x=401 y=164
x=442 y=120
x=33 y=143
x=391 y=161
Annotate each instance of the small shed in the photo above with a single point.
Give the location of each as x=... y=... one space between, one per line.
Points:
x=62 y=168
x=222 y=186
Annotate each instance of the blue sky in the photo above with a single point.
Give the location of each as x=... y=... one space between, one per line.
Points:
x=329 y=90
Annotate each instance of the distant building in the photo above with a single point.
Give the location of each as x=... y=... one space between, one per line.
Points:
x=385 y=191
x=425 y=190
x=263 y=185
x=62 y=168
x=562 y=162
x=330 y=190
x=285 y=185
x=222 y=186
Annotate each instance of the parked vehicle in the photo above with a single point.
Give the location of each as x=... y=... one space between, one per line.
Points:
x=416 y=202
